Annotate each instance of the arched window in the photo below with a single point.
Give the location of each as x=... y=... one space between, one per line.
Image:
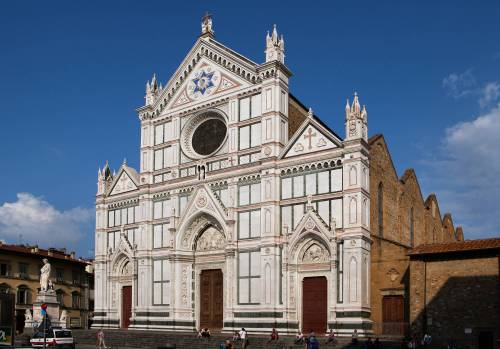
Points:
x=23 y=295
x=60 y=297
x=412 y=228
x=75 y=300
x=380 y=206
x=4 y=289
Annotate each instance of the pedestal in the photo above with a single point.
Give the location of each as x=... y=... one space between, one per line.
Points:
x=49 y=298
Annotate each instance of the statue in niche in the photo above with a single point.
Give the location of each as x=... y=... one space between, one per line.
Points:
x=45 y=275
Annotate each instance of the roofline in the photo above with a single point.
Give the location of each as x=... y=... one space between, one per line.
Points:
x=16 y=249
x=321 y=122
x=415 y=253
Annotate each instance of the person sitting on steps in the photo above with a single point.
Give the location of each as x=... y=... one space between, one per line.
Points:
x=205 y=333
x=274 y=336
x=299 y=337
x=331 y=337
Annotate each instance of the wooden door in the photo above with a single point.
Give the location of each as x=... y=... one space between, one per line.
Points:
x=393 y=314
x=486 y=340
x=314 y=305
x=126 y=306
x=211 y=299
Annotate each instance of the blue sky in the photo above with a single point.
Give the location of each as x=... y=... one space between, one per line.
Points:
x=72 y=74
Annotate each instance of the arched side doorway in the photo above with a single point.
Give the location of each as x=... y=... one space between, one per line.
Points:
x=312 y=256
x=122 y=282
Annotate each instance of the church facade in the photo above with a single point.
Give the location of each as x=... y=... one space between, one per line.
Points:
x=247 y=210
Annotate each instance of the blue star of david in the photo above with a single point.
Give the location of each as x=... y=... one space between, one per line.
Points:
x=203 y=82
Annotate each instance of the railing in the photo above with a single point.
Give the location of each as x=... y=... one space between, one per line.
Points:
x=391 y=328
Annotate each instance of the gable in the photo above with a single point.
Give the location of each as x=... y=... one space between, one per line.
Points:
x=310 y=139
x=234 y=68
x=203 y=200
x=206 y=80
x=123 y=184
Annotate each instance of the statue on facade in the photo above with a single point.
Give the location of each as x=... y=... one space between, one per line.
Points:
x=45 y=275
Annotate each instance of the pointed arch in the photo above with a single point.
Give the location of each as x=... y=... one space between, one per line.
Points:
x=353 y=280
x=353 y=210
x=267 y=284
x=412 y=227
x=193 y=228
x=380 y=209
x=353 y=175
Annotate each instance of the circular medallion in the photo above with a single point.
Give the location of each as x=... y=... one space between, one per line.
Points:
x=203 y=83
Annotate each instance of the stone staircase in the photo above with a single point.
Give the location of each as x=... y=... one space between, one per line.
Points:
x=155 y=339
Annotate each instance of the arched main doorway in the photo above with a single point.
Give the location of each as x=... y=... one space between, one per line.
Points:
x=209 y=248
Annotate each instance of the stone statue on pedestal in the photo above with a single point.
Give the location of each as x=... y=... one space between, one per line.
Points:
x=44 y=276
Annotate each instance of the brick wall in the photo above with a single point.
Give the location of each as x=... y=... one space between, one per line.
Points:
x=454 y=293
x=401 y=197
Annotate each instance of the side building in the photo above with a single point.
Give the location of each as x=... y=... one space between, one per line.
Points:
x=401 y=219
x=20 y=274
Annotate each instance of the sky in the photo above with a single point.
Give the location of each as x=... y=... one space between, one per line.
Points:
x=73 y=73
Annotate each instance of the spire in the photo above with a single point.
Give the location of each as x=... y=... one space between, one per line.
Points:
x=106 y=171
x=154 y=84
x=355 y=104
x=275 y=46
x=347 y=109
x=206 y=25
x=356 y=120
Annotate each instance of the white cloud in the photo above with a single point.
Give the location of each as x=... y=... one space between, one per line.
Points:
x=41 y=223
x=490 y=93
x=466 y=172
x=459 y=85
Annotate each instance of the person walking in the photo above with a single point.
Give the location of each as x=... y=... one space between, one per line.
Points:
x=243 y=338
x=100 y=340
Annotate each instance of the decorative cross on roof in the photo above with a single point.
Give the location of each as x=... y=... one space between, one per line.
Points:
x=309 y=136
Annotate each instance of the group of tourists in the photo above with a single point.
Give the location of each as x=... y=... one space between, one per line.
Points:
x=416 y=341
x=310 y=341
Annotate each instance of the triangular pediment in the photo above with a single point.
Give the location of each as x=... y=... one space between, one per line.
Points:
x=203 y=200
x=311 y=224
x=311 y=137
x=124 y=181
x=208 y=79
x=311 y=221
x=231 y=70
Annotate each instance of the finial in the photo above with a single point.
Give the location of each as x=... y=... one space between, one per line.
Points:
x=206 y=25
x=124 y=161
x=310 y=113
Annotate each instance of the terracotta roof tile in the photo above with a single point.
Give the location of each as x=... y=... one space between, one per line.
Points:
x=467 y=245
x=41 y=252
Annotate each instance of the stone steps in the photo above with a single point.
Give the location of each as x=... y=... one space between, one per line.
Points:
x=155 y=339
